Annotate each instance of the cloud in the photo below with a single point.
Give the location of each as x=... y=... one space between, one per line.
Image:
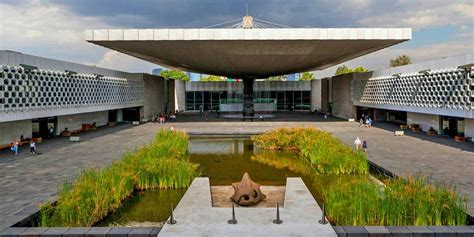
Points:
x=423 y=14
x=380 y=59
x=119 y=61
x=53 y=31
x=54 y=28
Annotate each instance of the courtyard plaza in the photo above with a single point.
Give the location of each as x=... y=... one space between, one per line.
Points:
x=28 y=180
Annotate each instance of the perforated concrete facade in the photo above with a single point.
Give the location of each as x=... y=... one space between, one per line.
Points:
x=446 y=92
x=40 y=92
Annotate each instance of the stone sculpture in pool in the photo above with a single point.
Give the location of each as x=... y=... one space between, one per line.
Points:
x=247 y=192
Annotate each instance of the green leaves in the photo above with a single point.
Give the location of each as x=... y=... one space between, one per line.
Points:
x=174 y=74
x=161 y=164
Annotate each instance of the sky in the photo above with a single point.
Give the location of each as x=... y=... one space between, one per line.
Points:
x=55 y=28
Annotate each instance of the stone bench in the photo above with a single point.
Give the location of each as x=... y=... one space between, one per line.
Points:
x=399 y=133
x=74 y=139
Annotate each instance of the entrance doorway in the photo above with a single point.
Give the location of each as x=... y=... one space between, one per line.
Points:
x=41 y=127
x=452 y=126
x=131 y=114
x=112 y=116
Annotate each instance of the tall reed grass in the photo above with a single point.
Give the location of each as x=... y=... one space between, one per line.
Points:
x=325 y=153
x=401 y=202
x=161 y=164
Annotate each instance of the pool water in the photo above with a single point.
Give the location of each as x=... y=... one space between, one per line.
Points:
x=224 y=161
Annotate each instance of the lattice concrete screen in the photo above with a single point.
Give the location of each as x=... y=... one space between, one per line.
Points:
x=22 y=90
x=446 y=89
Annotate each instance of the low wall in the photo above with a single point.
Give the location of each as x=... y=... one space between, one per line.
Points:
x=260 y=107
x=75 y=121
x=81 y=231
x=10 y=131
x=414 y=231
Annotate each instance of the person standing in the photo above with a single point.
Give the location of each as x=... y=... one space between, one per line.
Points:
x=32 y=147
x=172 y=129
x=357 y=143
x=326 y=116
x=51 y=132
x=361 y=122
x=364 y=146
x=14 y=147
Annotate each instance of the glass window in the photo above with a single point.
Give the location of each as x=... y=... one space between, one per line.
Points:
x=289 y=100
x=298 y=100
x=280 y=96
x=190 y=100
x=198 y=100
x=306 y=100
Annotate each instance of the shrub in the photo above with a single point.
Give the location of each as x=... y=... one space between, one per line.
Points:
x=325 y=153
x=400 y=203
x=97 y=192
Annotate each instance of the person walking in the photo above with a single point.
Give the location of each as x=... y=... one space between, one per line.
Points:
x=172 y=129
x=32 y=147
x=364 y=146
x=357 y=143
x=325 y=116
x=51 y=132
x=361 y=122
x=14 y=147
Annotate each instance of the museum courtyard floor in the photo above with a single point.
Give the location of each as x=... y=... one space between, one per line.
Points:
x=27 y=181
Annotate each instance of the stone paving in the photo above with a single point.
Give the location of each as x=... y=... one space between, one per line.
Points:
x=27 y=181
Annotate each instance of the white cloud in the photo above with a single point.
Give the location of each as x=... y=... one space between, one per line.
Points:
x=119 y=61
x=53 y=31
x=380 y=59
x=422 y=14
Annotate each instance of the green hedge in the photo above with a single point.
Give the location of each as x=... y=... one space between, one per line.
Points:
x=161 y=164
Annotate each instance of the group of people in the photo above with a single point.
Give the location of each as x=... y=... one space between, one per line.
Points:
x=365 y=120
x=360 y=144
x=162 y=118
x=15 y=147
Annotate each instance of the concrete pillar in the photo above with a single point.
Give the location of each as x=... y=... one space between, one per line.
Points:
x=316 y=98
x=248 y=108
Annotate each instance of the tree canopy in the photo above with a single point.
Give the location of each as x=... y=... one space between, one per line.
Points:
x=212 y=78
x=307 y=76
x=400 y=61
x=174 y=74
x=278 y=78
x=345 y=70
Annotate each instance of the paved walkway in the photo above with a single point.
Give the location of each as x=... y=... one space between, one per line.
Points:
x=25 y=182
x=196 y=217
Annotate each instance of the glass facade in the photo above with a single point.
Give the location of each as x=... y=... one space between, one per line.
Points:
x=286 y=100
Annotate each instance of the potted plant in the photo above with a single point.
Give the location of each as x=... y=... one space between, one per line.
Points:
x=460 y=137
x=415 y=128
x=66 y=133
x=431 y=132
x=403 y=126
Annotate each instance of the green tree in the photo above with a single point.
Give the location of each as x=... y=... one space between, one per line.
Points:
x=307 y=76
x=400 y=61
x=360 y=69
x=212 y=78
x=278 y=78
x=345 y=70
x=174 y=74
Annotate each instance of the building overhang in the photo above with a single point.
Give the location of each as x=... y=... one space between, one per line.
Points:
x=248 y=53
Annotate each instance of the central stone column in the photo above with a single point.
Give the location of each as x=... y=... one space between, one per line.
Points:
x=248 y=109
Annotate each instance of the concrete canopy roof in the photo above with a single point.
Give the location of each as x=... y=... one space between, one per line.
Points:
x=248 y=53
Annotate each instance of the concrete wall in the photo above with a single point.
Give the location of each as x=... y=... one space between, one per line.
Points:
x=342 y=106
x=316 y=99
x=170 y=84
x=180 y=95
x=426 y=121
x=75 y=121
x=10 y=131
x=469 y=128
x=154 y=102
x=324 y=94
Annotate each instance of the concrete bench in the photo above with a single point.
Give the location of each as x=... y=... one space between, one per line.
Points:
x=351 y=120
x=136 y=122
x=74 y=139
x=399 y=133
